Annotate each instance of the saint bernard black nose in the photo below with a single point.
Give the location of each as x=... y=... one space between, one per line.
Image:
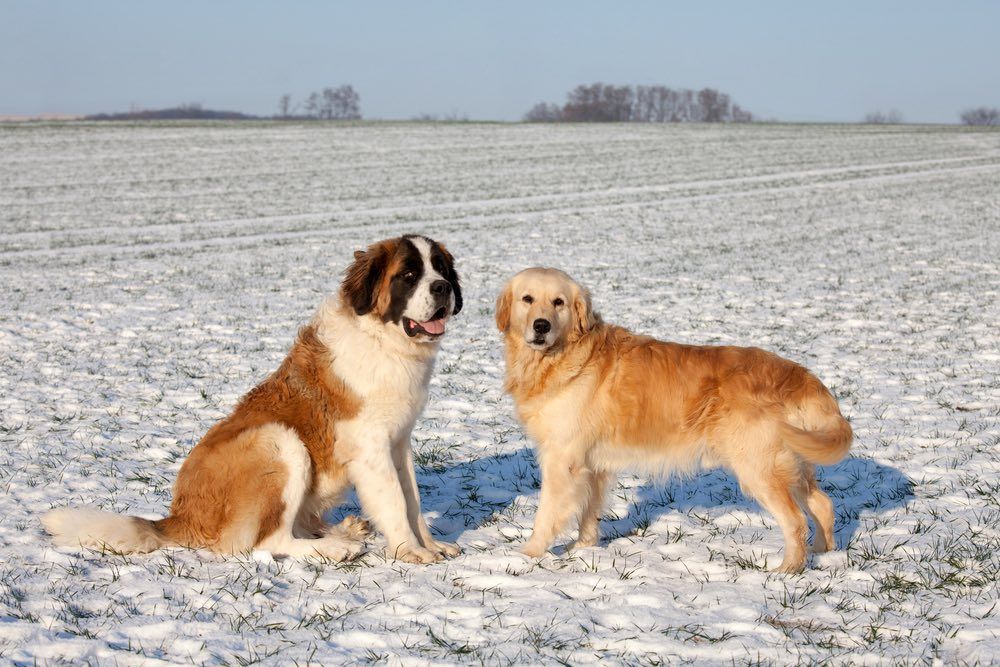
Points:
x=542 y=326
x=440 y=288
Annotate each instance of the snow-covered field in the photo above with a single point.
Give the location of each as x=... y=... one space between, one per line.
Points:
x=152 y=274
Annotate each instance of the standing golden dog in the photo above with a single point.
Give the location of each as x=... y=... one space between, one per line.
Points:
x=598 y=399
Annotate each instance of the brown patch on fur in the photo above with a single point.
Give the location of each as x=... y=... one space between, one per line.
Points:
x=234 y=478
x=366 y=280
x=601 y=395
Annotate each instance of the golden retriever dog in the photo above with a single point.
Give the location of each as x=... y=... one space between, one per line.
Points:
x=597 y=399
x=337 y=413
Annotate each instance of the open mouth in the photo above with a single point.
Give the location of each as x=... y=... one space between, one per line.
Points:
x=433 y=327
x=538 y=340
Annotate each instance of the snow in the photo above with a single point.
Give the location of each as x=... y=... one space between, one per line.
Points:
x=152 y=273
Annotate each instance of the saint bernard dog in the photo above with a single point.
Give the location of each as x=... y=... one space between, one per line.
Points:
x=598 y=399
x=337 y=413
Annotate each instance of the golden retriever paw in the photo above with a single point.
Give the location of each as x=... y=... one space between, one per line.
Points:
x=534 y=550
x=790 y=567
x=411 y=554
x=582 y=543
x=445 y=549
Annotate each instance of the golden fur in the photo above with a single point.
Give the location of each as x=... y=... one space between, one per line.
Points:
x=597 y=399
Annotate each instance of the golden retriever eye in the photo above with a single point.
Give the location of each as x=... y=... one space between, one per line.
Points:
x=527 y=298
x=558 y=302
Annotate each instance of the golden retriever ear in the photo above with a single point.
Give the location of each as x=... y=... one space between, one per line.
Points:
x=362 y=278
x=583 y=314
x=503 y=308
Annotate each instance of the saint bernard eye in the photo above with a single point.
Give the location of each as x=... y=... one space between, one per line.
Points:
x=558 y=302
x=409 y=276
x=527 y=298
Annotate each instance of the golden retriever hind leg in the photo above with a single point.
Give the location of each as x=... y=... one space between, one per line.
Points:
x=402 y=456
x=774 y=477
x=777 y=499
x=774 y=492
x=589 y=532
x=565 y=485
x=820 y=509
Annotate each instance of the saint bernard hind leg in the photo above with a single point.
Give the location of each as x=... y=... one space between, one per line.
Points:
x=292 y=452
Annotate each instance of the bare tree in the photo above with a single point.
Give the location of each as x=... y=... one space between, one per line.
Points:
x=342 y=103
x=981 y=116
x=327 y=101
x=284 y=105
x=312 y=106
x=543 y=113
x=713 y=105
x=891 y=117
x=741 y=115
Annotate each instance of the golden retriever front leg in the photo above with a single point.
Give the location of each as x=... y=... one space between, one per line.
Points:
x=589 y=532
x=565 y=486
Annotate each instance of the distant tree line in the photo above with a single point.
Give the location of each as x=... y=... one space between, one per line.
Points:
x=182 y=112
x=597 y=102
x=341 y=103
x=607 y=103
x=981 y=116
x=891 y=117
x=451 y=117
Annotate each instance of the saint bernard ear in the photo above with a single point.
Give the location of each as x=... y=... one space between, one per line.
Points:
x=503 y=308
x=361 y=281
x=452 y=277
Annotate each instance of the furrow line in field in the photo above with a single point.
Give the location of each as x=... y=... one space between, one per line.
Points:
x=502 y=217
x=28 y=235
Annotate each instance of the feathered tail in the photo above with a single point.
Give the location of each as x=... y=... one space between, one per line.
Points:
x=75 y=527
x=823 y=446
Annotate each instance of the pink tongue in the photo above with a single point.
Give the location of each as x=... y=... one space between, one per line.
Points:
x=435 y=327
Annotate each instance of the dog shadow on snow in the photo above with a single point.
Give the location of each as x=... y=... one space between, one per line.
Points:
x=857 y=485
x=464 y=497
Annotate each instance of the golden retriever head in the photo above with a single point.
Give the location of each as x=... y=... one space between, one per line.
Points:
x=544 y=307
x=408 y=283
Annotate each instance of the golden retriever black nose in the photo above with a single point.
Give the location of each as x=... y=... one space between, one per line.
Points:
x=542 y=326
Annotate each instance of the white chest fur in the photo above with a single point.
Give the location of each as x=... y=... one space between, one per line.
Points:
x=387 y=372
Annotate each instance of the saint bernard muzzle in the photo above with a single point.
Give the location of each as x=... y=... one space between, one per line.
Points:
x=410 y=282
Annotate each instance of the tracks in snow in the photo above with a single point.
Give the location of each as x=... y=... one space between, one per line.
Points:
x=195 y=235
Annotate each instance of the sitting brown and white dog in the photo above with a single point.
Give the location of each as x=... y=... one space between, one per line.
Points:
x=337 y=412
x=598 y=399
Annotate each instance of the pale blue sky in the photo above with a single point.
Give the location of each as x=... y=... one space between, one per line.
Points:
x=798 y=61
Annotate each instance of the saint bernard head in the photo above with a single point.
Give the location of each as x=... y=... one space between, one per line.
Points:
x=408 y=283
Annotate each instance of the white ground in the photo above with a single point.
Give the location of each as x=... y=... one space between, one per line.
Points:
x=152 y=274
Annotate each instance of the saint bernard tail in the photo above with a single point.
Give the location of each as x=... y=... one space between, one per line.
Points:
x=79 y=527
